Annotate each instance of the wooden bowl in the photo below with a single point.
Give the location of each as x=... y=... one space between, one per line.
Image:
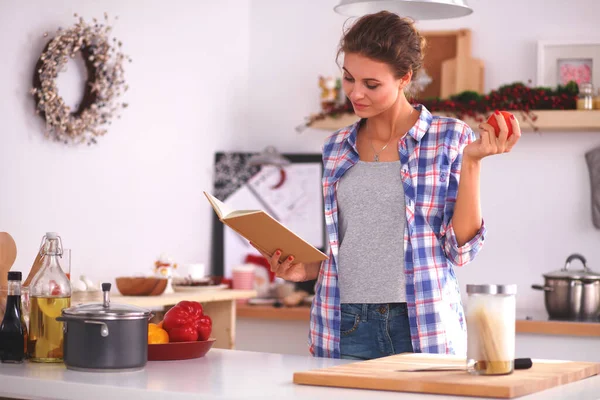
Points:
x=141 y=286
x=179 y=350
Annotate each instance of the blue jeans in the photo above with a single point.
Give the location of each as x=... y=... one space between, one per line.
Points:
x=374 y=330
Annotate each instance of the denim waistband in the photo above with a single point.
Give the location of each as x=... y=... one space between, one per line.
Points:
x=368 y=311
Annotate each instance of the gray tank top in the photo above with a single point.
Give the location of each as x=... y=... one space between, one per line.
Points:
x=372 y=217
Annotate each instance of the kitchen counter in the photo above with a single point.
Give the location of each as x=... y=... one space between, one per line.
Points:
x=527 y=321
x=539 y=322
x=221 y=374
x=170 y=299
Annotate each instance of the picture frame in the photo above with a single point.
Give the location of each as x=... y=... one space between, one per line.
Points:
x=561 y=61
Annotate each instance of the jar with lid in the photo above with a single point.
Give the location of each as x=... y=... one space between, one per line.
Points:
x=491 y=315
x=585 y=99
x=49 y=293
x=597 y=101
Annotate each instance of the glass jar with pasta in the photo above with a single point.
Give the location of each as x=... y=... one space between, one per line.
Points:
x=491 y=314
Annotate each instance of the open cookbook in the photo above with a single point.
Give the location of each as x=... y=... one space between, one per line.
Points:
x=265 y=232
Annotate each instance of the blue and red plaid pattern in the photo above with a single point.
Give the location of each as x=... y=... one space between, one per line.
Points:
x=431 y=157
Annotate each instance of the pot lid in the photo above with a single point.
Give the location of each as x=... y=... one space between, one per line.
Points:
x=567 y=272
x=106 y=309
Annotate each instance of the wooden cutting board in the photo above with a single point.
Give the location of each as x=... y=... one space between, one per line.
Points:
x=382 y=374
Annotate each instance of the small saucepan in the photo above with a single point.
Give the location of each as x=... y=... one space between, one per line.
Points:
x=105 y=337
x=572 y=294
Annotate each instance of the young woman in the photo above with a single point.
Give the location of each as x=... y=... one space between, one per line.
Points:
x=402 y=208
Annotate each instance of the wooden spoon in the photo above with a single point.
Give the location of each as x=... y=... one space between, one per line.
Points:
x=8 y=255
x=37 y=264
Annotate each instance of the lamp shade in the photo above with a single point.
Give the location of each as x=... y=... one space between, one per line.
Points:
x=415 y=9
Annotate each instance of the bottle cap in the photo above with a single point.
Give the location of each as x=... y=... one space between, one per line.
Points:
x=15 y=276
x=51 y=235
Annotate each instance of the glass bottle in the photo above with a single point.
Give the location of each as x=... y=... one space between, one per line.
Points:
x=12 y=329
x=49 y=293
x=597 y=101
x=585 y=98
x=491 y=321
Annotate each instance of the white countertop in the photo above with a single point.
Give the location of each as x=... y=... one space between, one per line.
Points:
x=221 y=374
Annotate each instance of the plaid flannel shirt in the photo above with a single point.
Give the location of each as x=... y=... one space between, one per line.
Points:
x=431 y=156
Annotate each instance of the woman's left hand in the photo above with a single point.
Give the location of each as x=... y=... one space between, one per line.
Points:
x=489 y=144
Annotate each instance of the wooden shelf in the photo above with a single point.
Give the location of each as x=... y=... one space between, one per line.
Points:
x=541 y=326
x=300 y=313
x=165 y=300
x=560 y=328
x=547 y=120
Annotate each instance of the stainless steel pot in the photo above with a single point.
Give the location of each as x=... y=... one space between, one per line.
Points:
x=572 y=294
x=105 y=337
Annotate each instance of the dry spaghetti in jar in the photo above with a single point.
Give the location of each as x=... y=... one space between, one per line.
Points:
x=491 y=314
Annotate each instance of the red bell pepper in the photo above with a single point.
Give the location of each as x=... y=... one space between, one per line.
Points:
x=186 y=322
x=204 y=328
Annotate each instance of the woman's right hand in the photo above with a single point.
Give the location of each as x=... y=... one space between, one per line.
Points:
x=288 y=270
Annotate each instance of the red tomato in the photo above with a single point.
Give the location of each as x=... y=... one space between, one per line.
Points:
x=54 y=288
x=493 y=122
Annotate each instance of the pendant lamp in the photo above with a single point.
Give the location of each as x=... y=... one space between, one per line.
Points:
x=415 y=9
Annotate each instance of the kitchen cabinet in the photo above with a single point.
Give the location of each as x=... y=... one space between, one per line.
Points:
x=221 y=374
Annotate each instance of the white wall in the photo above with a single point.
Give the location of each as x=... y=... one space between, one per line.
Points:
x=200 y=83
x=535 y=200
x=138 y=193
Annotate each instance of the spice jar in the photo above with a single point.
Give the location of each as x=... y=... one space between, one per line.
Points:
x=597 y=101
x=585 y=99
x=491 y=314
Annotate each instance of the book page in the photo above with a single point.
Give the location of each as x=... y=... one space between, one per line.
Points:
x=297 y=203
x=240 y=213
x=221 y=209
x=224 y=211
x=236 y=248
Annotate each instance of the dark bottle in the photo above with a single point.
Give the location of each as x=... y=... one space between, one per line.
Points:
x=12 y=331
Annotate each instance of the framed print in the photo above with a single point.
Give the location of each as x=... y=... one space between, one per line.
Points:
x=561 y=62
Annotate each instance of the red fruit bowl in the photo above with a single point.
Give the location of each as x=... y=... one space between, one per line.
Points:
x=179 y=350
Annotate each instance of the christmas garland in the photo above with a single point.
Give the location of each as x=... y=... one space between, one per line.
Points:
x=513 y=97
x=104 y=84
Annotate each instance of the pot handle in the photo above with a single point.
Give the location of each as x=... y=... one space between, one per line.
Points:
x=576 y=256
x=103 y=327
x=544 y=288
